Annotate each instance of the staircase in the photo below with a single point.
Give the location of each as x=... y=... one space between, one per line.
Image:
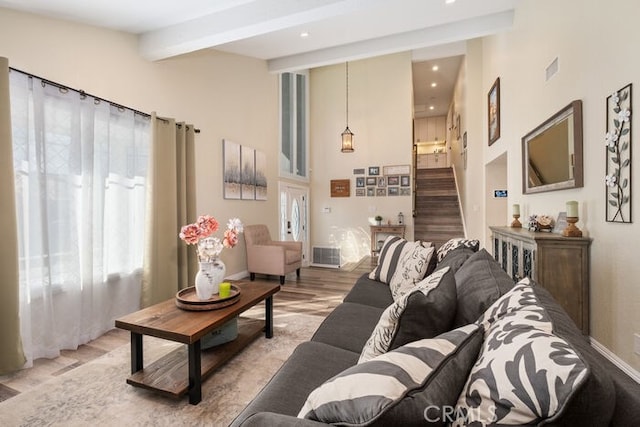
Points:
x=437 y=211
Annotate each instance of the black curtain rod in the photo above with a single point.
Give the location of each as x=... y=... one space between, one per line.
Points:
x=82 y=93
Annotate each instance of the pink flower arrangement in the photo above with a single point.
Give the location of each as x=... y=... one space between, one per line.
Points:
x=199 y=233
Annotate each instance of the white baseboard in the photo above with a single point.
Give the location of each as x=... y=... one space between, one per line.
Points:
x=238 y=276
x=624 y=366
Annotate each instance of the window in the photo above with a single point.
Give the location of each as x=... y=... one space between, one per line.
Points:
x=293 y=109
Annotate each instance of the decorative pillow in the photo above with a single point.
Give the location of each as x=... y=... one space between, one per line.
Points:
x=456 y=243
x=425 y=312
x=520 y=296
x=397 y=387
x=480 y=281
x=388 y=259
x=525 y=374
x=412 y=267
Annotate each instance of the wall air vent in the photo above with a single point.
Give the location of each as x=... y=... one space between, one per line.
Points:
x=552 y=69
x=326 y=256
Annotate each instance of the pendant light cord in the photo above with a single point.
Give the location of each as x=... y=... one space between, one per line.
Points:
x=347 y=98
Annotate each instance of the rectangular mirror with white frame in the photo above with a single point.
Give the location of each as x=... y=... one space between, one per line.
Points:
x=552 y=152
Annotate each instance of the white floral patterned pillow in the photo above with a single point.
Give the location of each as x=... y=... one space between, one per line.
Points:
x=411 y=268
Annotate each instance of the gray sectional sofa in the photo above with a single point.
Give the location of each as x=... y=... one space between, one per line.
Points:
x=592 y=393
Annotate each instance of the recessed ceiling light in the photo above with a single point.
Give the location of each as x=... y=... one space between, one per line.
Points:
x=434 y=68
x=431 y=107
x=434 y=84
x=449 y=1
x=304 y=34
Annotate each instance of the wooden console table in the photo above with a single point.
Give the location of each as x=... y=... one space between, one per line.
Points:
x=559 y=264
x=183 y=370
x=379 y=233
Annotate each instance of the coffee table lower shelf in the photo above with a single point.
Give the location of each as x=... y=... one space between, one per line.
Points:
x=169 y=375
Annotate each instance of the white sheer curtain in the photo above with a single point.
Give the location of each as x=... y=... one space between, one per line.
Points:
x=80 y=169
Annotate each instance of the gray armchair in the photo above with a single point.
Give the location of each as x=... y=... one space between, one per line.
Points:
x=271 y=257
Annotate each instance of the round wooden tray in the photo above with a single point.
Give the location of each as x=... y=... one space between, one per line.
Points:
x=187 y=299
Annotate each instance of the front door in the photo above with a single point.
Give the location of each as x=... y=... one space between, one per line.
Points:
x=293 y=216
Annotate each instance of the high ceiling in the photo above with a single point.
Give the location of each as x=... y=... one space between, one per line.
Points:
x=289 y=34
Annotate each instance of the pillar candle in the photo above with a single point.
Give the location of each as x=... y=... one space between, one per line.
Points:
x=516 y=209
x=572 y=209
x=224 y=290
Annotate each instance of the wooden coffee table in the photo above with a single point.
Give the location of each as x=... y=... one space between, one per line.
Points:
x=183 y=370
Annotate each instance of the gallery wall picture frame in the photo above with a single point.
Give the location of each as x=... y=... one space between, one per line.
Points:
x=393 y=180
x=374 y=170
x=340 y=187
x=231 y=181
x=405 y=181
x=393 y=191
x=360 y=192
x=397 y=170
x=359 y=171
x=371 y=191
x=382 y=181
x=371 y=180
x=381 y=192
x=404 y=191
x=493 y=111
x=360 y=181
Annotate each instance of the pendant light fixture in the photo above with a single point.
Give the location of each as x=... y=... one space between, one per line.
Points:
x=347 y=135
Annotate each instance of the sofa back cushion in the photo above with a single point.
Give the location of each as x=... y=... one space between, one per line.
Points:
x=479 y=283
x=454 y=259
x=396 y=388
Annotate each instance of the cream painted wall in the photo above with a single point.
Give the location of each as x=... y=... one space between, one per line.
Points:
x=380 y=115
x=226 y=96
x=593 y=41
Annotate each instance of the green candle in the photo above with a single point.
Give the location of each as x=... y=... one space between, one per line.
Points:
x=225 y=289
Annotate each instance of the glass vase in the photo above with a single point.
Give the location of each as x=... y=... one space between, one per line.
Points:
x=208 y=278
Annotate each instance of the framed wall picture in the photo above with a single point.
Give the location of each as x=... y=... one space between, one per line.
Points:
x=360 y=192
x=397 y=170
x=393 y=180
x=493 y=108
x=374 y=170
x=371 y=191
x=261 y=175
x=405 y=181
x=381 y=192
x=360 y=181
x=405 y=191
x=393 y=191
x=359 y=171
x=231 y=169
x=371 y=180
x=382 y=182
x=248 y=173
x=340 y=187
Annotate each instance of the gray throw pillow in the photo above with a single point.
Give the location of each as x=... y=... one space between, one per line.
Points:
x=424 y=312
x=408 y=386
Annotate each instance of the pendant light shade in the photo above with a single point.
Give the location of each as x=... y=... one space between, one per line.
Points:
x=347 y=135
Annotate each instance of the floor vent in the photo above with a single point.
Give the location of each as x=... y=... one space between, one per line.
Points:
x=325 y=256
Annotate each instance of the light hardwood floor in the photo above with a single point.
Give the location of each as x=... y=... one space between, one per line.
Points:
x=318 y=291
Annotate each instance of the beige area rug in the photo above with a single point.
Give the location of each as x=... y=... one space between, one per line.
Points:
x=97 y=394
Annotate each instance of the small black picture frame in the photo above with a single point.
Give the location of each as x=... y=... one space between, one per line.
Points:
x=374 y=170
x=360 y=181
x=405 y=181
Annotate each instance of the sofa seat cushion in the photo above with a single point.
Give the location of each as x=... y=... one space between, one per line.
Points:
x=370 y=292
x=397 y=387
x=348 y=326
x=424 y=312
x=479 y=283
x=292 y=257
x=310 y=365
x=525 y=374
